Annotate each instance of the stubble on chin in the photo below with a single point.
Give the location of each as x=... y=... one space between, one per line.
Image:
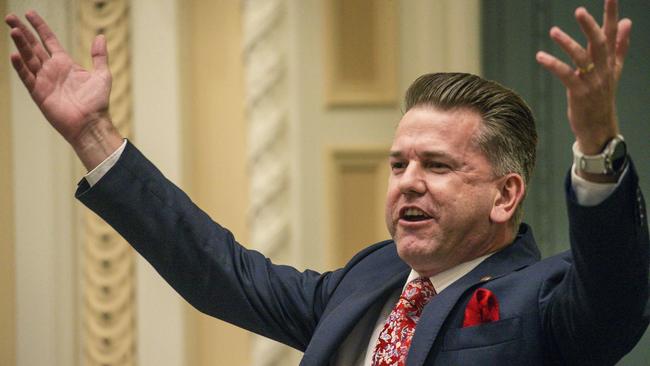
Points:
x=419 y=254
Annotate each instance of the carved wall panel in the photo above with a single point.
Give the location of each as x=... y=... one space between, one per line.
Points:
x=361 y=52
x=266 y=68
x=108 y=322
x=358 y=179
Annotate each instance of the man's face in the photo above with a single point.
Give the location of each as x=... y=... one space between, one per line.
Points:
x=441 y=190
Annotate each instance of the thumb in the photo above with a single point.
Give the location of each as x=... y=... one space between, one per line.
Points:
x=99 y=53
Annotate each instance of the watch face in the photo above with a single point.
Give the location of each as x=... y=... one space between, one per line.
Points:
x=619 y=156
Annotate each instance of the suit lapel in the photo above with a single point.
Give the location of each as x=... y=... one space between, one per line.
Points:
x=434 y=315
x=521 y=253
x=335 y=326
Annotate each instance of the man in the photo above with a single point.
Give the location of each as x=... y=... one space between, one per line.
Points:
x=461 y=281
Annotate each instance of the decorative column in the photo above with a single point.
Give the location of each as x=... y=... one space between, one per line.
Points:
x=266 y=67
x=108 y=326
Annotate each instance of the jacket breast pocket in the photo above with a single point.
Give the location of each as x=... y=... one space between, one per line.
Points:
x=483 y=335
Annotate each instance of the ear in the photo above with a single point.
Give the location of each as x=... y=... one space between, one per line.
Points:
x=511 y=189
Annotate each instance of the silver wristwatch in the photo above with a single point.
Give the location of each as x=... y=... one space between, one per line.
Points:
x=611 y=161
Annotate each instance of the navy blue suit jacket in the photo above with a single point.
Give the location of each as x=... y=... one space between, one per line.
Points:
x=586 y=306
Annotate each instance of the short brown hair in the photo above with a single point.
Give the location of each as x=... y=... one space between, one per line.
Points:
x=508 y=137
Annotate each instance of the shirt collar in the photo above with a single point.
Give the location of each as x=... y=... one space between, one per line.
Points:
x=443 y=279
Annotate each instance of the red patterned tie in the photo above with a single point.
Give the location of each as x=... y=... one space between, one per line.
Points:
x=395 y=339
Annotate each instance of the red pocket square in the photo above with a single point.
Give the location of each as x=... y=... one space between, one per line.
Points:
x=482 y=308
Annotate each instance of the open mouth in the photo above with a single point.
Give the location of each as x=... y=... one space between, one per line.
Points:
x=414 y=215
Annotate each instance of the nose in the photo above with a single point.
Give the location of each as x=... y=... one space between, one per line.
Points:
x=412 y=180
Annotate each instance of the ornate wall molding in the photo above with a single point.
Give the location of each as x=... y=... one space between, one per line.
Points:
x=361 y=52
x=265 y=60
x=107 y=261
x=357 y=177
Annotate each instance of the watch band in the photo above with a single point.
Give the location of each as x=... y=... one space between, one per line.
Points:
x=609 y=162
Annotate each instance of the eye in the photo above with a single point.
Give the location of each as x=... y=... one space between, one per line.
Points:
x=437 y=166
x=397 y=166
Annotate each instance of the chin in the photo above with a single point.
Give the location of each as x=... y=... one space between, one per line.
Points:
x=416 y=253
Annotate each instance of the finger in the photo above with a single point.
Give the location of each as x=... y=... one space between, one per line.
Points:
x=99 y=53
x=572 y=48
x=595 y=36
x=623 y=39
x=610 y=26
x=38 y=49
x=12 y=20
x=622 y=44
x=25 y=50
x=23 y=72
x=561 y=70
x=44 y=32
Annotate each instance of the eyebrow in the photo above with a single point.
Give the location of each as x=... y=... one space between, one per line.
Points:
x=425 y=154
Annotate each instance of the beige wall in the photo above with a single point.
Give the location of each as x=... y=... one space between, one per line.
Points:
x=428 y=40
x=7 y=264
x=215 y=151
x=44 y=220
x=156 y=124
x=213 y=165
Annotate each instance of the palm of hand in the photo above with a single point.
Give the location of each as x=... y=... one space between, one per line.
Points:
x=74 y=100
x=69 y=96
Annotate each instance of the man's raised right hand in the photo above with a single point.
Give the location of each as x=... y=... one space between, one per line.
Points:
x=74 y=100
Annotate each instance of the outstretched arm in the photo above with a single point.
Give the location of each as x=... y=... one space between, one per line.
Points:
x=74 y=100
x=591 y=84
x=594 y=314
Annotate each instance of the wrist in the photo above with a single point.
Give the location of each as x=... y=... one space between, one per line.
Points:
x=97 y=141
x=592 y=141
x=594 y=144
x=603 y=167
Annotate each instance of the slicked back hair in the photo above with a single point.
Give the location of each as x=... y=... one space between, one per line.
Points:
x=507 y=136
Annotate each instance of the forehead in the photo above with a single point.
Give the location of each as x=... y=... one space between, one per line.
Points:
x=434 y=128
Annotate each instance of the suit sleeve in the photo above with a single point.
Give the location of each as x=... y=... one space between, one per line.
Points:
x=596 y=313
x=201 y=260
